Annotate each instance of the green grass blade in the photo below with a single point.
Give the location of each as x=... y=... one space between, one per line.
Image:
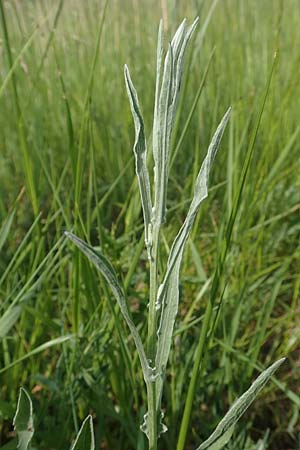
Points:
x=19 y=117
x=20 y=249
x=14 y=64
x=85 y=114
x=50 y=39
x=224 y=430
x=5 y=228
x=23 y=420
x=39 y=349
x=8 y=320
x=40 y=272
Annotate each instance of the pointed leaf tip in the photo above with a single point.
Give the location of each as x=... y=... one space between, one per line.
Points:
x=223 y=432
x=140 y=153
x=196 y=21
x=85 y=438
x=23 y=420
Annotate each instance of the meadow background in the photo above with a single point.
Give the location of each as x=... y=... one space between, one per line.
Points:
x=66 y=163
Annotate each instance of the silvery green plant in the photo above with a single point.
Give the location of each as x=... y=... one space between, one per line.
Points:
x=23 y=426
x=164 y=297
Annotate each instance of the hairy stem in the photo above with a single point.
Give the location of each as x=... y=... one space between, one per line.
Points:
x=152 y=330
x=152 y=325
x=152 y=416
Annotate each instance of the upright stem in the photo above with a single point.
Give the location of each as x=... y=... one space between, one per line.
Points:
x=153 y=294
x=152 y=330
x=152 y=415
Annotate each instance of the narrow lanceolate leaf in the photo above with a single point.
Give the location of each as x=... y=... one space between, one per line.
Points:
x=222 y=434
x=85 y=437
x=168 y=293
x=161 y=153
x=23 y=420
x=106 y=269
x=165 y=110
x=179 y=46
x=159 y=55
x=140 y=153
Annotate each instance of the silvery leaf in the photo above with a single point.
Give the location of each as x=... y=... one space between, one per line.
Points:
x=85 y=437
x=168 y=294
x=106 y=269
x=222 y=434
x=23 y=420
x=140 y=153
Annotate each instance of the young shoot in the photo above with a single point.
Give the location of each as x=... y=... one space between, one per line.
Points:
x=164 y=298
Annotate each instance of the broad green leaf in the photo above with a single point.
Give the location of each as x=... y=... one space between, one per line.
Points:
x=85 y=437
x=23 y=420
x=140 y=153
x=168 y=294
x=106 y=269
x=8 y=320
x=222 y=434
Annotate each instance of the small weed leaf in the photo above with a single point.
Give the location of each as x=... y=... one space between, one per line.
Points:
x=23 y=420
x=224 y=430
x=85 y=438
